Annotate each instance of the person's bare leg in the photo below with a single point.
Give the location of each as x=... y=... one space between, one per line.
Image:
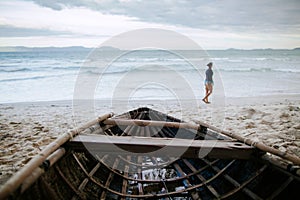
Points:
x=208 y=92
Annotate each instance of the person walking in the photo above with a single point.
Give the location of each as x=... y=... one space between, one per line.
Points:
x=208 y=82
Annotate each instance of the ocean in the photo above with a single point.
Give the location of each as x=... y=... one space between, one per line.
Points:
x=50 y=75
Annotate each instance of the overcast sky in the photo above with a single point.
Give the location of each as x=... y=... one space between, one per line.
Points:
x=213 y=24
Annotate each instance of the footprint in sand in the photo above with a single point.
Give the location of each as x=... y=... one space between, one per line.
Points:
x=250 y=125
x=284 y=115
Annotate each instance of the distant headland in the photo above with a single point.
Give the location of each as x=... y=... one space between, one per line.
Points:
x=103 y=48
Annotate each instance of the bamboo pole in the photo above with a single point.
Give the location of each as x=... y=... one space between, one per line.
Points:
x=15 y=181
x=294 y=159
x=53 y=158
x=128 y=122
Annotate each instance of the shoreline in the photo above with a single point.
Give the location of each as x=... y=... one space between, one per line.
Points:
x=229 y=101
x=27 y=127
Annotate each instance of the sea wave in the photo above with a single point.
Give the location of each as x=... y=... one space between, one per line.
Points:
x=10 y=69
x=32 y=78
x=121 y=70
x=23 y=79
x=137 y=69
x=180 y=68
x=66 y=68
x=158 y=59
x=124 y=69
x=247 y=59
x=264 y=69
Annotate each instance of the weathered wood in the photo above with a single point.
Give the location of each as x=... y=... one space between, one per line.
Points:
x=161 y=146
x=85 y=181
x=202 y=179
x=259 y=145
x=186 y=182
x=133 y=185
x=236 y=184
x=15 y=181
x=282 y=187
x=55 y=156
x=147 y=132
x=293 y=158
x=137 y=122
x=125 y=182
x=109 y=179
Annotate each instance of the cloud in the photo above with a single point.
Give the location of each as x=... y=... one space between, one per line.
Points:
x=12 y=31
x=212 y=23
x=28 y=16
x=273 y=15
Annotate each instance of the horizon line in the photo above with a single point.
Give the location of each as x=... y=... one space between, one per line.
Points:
x=85 y=47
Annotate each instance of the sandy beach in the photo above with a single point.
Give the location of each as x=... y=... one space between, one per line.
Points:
x=26 y=128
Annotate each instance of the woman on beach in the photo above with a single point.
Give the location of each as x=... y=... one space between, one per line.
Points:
x=208 y=82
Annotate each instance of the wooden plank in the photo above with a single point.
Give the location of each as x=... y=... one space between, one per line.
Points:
x=137 y=122
x=237 y=184
x=281 y=188
x=125 y=181
x=161 y=146
x=202 y=179
x=186 y=182
x=126 y=130
x=86 y=180
x=142 y=131
x=293 y=158
x=109 y=179
x=148 y=134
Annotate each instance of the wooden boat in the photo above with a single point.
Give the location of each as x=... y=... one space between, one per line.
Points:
x=145 y=154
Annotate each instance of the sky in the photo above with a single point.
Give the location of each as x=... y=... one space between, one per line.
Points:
x=212 y=24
